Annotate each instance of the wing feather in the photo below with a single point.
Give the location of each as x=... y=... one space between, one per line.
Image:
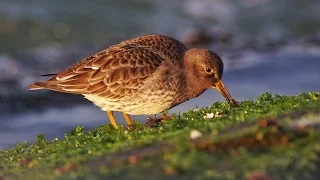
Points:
x=113 y=72
x=118 y=70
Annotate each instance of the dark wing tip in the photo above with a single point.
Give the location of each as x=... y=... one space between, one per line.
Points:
x=52 y=74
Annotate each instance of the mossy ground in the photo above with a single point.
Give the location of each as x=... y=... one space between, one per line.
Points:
x=274 y=137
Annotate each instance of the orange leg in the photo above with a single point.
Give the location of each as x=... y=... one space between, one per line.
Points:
x=127 y=118
x=112 y=119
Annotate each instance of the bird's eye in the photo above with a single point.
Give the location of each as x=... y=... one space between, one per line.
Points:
x=209 y=70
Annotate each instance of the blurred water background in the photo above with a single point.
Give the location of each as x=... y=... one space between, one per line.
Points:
x=267 y=45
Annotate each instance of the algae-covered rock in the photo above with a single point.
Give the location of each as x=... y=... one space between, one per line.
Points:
x=274 y=137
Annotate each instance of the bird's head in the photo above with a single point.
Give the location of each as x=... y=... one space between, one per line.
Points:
x=204 y=70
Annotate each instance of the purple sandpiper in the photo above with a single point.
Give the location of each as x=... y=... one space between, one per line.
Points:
x=141 y=76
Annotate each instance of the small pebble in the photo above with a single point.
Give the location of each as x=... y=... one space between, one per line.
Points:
x=218 y=114
x=209 y=116
x=194 y=134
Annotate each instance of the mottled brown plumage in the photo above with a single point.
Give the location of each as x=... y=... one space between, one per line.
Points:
x=145 y=75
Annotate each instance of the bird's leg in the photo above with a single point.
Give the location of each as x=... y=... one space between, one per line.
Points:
x=165 y=113
x=127 y=118
x=112 y=119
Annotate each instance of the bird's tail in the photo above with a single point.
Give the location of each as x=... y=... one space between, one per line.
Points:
x=50 y=86
x=37 y=86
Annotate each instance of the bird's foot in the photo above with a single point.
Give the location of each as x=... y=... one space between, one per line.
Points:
x=153 y=122
x=233 y=103
x=131 y=127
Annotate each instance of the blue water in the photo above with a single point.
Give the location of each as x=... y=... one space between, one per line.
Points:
x=273 y=46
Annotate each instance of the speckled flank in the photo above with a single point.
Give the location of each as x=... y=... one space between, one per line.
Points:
x=142 y=104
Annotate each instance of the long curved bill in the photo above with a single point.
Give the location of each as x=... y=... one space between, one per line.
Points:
x=225 y=93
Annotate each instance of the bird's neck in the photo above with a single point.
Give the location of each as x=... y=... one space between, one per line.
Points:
x=194 y=86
